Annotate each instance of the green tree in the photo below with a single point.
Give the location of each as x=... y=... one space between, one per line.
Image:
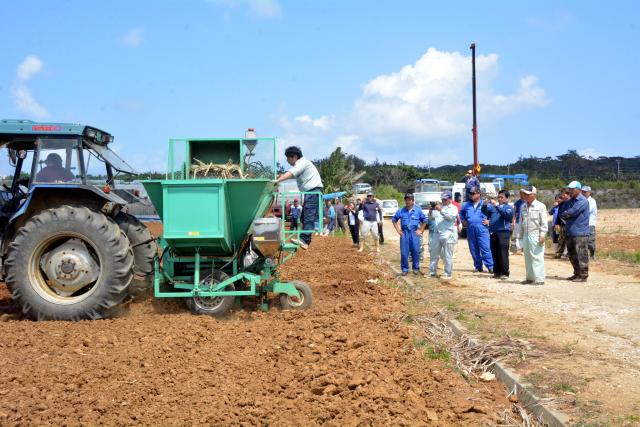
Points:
x=338 y=172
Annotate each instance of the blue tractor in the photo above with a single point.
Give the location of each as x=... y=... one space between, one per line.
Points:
x=68 y=248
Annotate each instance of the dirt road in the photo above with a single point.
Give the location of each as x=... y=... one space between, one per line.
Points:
x=580 y=341
x=347 y=361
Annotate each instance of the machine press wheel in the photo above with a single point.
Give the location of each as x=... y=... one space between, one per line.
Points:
x=212 y=306
x=306 y=297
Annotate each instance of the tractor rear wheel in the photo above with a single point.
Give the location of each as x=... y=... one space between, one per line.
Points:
x=213 y=306
x=291 y=303
x=69 y=263
x=142 y=242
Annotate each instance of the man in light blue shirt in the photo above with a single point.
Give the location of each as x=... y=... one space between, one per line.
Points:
x=444 y=237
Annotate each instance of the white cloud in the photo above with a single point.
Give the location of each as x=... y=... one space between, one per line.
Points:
x=425 y=104
x=260 y=8
x=26 y=103
x=591 y=152
x=29 y=67
x=322 y=122
x=432 y=98
x=23 y=99
x=132 y=38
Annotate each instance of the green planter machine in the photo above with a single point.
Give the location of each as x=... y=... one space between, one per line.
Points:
x=219 y=242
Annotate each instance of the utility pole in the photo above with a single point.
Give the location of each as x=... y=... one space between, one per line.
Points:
x=476 y=166
x=618 y=174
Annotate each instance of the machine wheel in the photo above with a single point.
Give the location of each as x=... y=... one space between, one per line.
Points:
x=212 y=306
x=290 y=303
x=69 y=263
x=142 y=242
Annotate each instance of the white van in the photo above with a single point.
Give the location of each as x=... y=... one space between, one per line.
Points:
x=389 y=207
x=362 y=188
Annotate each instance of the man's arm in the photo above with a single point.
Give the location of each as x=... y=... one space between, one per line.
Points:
x=284 y=176
x=544 y=228
x=448 y=214
x=574 y=210
x=505 y=211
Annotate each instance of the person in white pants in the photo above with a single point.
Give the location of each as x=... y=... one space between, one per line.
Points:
x=445 y=236
x=532 y=231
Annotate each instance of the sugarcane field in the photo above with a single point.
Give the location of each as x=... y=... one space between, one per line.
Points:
x=278 y=213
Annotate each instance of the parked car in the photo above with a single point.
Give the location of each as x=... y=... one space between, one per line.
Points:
x=389 y=207
x=362 y=188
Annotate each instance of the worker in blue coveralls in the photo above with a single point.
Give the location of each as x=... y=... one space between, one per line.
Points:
x=474 y=217
x=470 y=181
x=410 y=222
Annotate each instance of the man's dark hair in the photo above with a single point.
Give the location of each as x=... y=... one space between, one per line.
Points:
x=505 y=192
x=458 y=197
x=293 y=151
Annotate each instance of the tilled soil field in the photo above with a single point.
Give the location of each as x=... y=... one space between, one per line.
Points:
x=346 y=361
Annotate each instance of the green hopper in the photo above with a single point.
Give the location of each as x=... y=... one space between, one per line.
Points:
x=219 y=241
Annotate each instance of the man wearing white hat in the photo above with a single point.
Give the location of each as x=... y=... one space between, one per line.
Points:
x=576 y=217
x=593 y=217
x=532 y=231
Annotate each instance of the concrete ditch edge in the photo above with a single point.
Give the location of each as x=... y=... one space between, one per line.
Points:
x=510 y=379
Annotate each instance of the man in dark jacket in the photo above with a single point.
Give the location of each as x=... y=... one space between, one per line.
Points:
x=500 y=217
x=576 y=217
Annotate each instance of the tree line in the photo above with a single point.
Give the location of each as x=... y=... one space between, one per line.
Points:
x=340 y=170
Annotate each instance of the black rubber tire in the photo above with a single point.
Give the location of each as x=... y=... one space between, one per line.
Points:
x=288 y=303
x=145 y=248
x=107 y=241
x=220 y=308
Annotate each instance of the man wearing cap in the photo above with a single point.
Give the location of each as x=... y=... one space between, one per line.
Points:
x=409 y=222
x=500 y=219
x=474 y=217
x=532 y=231
x=371 y=212
x=576 y=217
x=444 y=235
x=470 y=181
x=593 y=217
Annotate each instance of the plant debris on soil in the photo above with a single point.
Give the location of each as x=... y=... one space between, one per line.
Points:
x=346 y=361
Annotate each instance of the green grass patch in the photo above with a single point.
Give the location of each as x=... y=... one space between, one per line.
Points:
x=437 y=353
x=632 y=257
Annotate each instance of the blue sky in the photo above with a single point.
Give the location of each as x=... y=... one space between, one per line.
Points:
x=385 y=79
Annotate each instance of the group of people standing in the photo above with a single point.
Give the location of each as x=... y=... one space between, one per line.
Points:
x=494 y=226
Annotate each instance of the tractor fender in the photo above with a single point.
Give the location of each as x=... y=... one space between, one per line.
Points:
x=45 y=196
